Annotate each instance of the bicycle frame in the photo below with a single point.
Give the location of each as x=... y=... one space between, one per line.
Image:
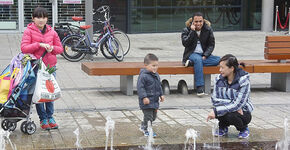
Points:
x=87 y=39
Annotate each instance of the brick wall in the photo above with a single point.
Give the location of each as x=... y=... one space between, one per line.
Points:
x=9 y=12
x=30 y=5
x=66 y=11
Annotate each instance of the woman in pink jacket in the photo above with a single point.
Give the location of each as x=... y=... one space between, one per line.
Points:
x=38 y=38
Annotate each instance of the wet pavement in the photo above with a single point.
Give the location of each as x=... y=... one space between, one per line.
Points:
x=87 y=100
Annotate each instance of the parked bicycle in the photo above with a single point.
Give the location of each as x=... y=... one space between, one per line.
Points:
x=120 y=35
x=76 y=46
x=65 y=29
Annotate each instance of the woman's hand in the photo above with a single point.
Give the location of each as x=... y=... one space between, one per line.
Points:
x=46 y=46
x=49 y=49
x=240 y=112
x=210 y=116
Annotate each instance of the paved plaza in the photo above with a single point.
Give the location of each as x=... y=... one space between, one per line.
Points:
x=87 y=100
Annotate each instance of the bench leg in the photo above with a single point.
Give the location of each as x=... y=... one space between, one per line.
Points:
x=126 y=84
x=207 y=83
x=280 y=81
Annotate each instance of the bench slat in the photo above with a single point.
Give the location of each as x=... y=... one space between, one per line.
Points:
x=277 y=56
x=277 y=50
x=277 y=44
x=273 y=67
x=277 y=38
x=133 y=68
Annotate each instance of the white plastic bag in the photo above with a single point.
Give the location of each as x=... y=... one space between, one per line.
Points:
x=46 y=87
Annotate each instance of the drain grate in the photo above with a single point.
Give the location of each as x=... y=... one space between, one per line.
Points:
x=150 y=48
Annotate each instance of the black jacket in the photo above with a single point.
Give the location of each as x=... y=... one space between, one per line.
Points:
x=148 y=85
x=189 y=40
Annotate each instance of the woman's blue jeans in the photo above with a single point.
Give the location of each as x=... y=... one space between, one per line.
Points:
x=198 y=62
x=45 y=110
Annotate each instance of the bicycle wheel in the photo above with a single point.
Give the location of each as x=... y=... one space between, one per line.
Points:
x=123 y=39
x=105 y=49
x=72 y=52
x=115 y=49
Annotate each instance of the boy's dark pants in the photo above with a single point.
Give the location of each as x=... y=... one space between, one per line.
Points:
x=149 y=115
x=234 y=118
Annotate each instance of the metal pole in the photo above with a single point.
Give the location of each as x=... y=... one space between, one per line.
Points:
x=276 y=19
x=20 y=16
x=268 y=9
x=54 y=12
x=289 y=21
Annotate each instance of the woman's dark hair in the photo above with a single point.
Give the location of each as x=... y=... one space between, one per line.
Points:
x=231 y=61
x=39 y=12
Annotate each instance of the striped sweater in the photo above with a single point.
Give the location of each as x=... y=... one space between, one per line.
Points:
x=232 y=97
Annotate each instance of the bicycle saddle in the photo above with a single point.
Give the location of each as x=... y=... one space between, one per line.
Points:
x=74 y=18
x=84 y=27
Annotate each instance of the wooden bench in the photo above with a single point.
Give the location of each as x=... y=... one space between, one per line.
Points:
x=126 y=71
x=276 y=48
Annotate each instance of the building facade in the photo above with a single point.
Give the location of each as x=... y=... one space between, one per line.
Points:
x=141 y=16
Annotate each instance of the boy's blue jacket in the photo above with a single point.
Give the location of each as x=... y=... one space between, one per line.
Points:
x=148 y=85
x=232 y=97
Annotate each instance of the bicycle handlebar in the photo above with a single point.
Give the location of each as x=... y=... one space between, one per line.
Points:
x=63 y=24
x=100 y=21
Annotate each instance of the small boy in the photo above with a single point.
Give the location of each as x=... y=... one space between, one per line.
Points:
x=149 y=91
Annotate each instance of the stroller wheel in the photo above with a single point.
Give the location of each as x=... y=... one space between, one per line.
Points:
x=23 y=127
x=30 y=128
x=4 y=125
x=8 y=125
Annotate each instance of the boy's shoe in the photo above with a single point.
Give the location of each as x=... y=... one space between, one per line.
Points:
x=200 y=91
x=146 y=133
x=244 y=134
x=44 y=125
x=221 y=131
x=142 y=128
x=188 y=63
x=52 y=123
x=154 y=134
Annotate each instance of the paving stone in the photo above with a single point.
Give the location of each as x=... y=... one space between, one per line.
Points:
x=87 y=100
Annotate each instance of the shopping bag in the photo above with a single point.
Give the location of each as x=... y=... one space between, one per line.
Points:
x=6 y=85
x=46 y=88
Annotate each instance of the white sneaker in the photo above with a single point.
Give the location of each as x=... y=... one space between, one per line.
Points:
x=187 y=63
x=200 y=91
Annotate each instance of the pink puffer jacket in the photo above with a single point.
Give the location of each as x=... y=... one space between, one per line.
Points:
x=31 y=38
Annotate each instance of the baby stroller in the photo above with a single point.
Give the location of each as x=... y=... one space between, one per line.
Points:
x=19 y=103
